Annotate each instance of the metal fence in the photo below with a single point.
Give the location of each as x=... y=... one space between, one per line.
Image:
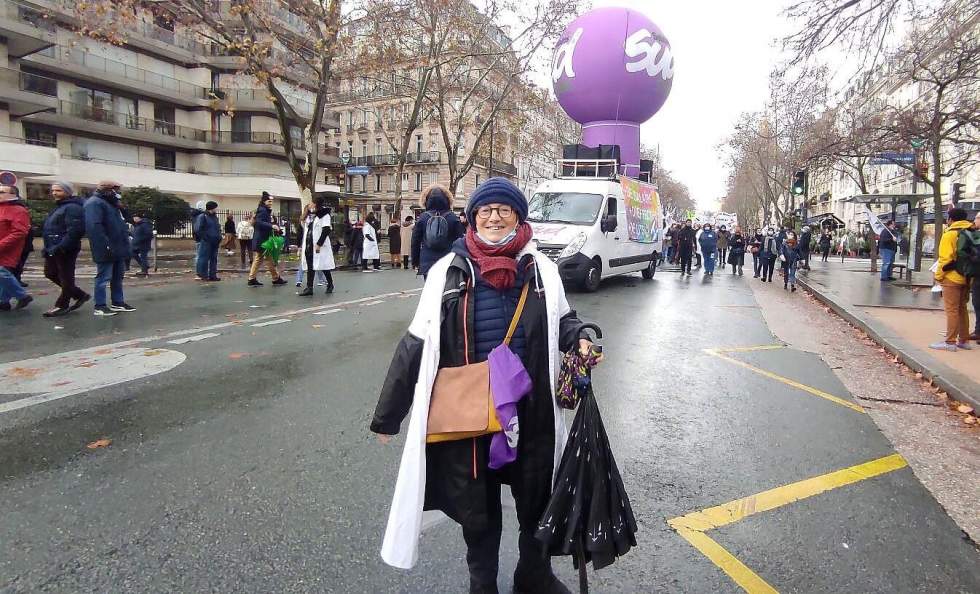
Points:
x=185 y=230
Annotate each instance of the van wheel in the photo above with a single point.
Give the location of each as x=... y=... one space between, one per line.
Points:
x=651 y=269
x=592 y=278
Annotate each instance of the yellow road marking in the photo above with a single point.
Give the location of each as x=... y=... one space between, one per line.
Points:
x=717 y=554
x=692 y=527
x=779 y=378
x=762 y=347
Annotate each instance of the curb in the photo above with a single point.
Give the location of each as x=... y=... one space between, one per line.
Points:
x=955 y=390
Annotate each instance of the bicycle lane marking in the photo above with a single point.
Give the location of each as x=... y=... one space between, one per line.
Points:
x=693 y=526
x=720 y=353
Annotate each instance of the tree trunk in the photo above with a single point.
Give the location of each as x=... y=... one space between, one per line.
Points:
x=937 y=195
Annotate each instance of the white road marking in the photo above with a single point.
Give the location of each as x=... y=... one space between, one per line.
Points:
x=329 y=311
x=374 y=302
x=194 y=338
x=271 y=322
x=53 y=377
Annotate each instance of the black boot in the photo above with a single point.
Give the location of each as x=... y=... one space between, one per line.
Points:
x=306 y=292
x=533 y=574
x=329 y=289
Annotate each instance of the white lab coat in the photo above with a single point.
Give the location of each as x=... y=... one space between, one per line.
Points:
x=324 y=259
x=370 y=249
x=401 y=540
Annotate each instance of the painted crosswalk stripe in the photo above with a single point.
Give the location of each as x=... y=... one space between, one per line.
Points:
x=195 y=338
x=329 y=311
x=270 y=323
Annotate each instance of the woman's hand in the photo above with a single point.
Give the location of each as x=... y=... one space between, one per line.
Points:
x=384 y=439
x=585 y=347
x=316 y=249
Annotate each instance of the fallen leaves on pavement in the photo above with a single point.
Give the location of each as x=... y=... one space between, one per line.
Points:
x=99 y=443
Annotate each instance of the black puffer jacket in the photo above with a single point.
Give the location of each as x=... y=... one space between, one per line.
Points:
x=456 y=471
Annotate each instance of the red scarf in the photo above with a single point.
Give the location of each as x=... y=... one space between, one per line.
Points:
x=498 y=264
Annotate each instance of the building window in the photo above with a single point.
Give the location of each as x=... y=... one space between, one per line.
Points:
x=36 y=191
x=166 y=160
x=39 y=136
x=364 y=148
x=296 y=134
x=477 y=179
x=241 y=128
x=164 y=117
x=418 y=143
x=378 y=147
x=418 y=182
x=377 y=182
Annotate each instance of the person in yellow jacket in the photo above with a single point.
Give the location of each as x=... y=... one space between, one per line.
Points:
x=956 y=287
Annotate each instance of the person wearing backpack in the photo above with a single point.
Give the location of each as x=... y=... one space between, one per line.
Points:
x=959 y=260
x=436 y=229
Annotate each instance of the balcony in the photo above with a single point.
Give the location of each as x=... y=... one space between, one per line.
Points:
x=242 y=97
x=498 y=166
x=78 y=63
x=26 y=30
x=26 y=93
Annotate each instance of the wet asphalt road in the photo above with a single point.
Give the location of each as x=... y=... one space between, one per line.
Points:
x=248 y=466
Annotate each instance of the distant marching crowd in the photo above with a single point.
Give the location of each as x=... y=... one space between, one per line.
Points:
x=688 y=242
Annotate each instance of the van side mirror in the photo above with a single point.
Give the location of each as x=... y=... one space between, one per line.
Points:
x=609 y=223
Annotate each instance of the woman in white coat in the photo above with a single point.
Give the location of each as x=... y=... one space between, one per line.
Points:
x=469 y=297
x=370 y=251
x=317 y=254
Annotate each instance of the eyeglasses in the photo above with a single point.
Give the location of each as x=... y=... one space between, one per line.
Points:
x=504 y=212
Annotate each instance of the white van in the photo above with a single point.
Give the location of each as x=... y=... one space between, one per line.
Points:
x=581 y=223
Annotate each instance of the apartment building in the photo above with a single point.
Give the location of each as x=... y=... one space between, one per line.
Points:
x=888 y=87
x=164 y=109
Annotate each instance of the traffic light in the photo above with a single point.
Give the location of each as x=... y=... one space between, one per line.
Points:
x=957 y=193
x=799 y=183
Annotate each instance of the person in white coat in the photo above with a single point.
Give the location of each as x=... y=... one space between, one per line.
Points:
x=467 y=294
x=317 y=255
x=370 y=250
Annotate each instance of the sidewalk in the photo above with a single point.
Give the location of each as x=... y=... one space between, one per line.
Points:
x=903 y=318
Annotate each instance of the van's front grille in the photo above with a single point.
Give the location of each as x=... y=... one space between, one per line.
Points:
x=552 y=251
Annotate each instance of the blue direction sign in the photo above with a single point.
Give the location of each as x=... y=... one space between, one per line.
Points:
x=892 y=158
x=359 y=170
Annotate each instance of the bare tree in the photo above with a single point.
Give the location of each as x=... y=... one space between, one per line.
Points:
x=675 y=195
x=281 y=45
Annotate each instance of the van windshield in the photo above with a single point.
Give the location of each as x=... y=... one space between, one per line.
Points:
x=564 y=207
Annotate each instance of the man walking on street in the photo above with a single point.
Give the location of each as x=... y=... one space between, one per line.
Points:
x=63 y=230
x=263 y=230
x=956 y=289
x=15 y=222
x=142 y=242
x=685 y=246
x=109 y=242
x=887 y=246
x=207 y=227
x=230 y=234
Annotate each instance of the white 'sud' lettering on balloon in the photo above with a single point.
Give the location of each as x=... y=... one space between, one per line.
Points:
x=562 y=64
x=636 y=45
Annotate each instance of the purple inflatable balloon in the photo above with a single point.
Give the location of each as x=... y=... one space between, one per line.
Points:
x=613 y=70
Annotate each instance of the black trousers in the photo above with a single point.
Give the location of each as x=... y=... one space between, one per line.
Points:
x=483 y=548
x=377 y=263
x=825 y=252
x=311 y=274
x=768 y=267
x=406 y=262
x=756 y=264
x=686 y=258
x=60 y=269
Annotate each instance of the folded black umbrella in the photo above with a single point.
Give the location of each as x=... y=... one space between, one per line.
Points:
x=589 y=515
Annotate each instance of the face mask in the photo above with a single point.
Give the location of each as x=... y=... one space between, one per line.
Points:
x=510 y=236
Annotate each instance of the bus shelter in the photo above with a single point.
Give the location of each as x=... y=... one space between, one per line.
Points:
x=904 y=206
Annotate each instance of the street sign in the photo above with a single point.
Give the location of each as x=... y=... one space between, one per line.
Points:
x=345 y=157
x=892 y=158
x=918 y=143
x=7 y=178
x=358 y=170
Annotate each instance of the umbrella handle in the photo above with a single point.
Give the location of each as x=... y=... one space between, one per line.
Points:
x=590 y=326
x=583 y=575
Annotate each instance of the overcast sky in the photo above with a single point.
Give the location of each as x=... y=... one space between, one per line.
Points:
x=723 y=53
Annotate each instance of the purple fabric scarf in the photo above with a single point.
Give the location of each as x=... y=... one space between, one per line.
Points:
x=509 y=382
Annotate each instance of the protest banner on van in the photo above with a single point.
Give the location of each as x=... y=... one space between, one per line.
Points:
x=644 y=217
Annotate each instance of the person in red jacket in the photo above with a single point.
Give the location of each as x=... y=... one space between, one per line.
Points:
x=15 y=222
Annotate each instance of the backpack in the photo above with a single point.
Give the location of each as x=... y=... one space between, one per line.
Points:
x=968 y=253
x=436 y=232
